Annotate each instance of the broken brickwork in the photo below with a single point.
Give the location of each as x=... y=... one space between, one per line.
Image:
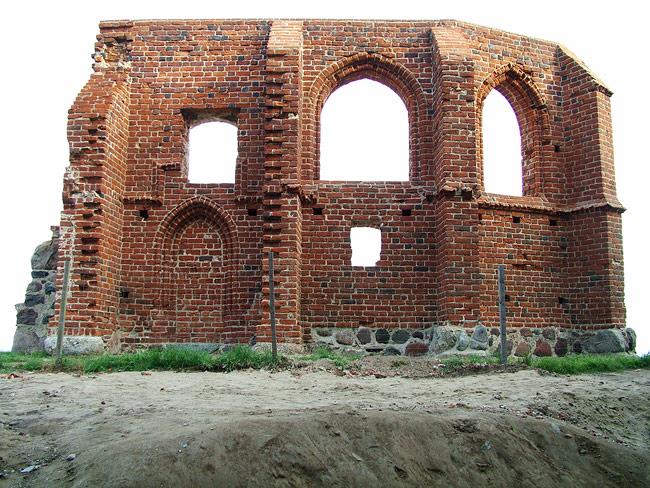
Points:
x=157 y=259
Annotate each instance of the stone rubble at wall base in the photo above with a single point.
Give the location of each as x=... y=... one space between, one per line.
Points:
x=445 y=339
x=35 y=312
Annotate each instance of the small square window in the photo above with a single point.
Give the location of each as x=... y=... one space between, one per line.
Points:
x=366 y=246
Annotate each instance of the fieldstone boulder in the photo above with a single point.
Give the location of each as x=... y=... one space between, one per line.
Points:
x=400 y=336
x=605 y=341
x=345 y=337
x=34 y=287
x=382 y=336
x=462 y=342
x=480 y=338
x=561 y=347
x=76 y=345
x=630 y=339
x=416 y=348
x=522 y=350
x=542 y=348
x=391 y=351
x=442 y=339
x=26 y=316
x=44 y=257
x=28 y=339
x=364 y=335
x=549 y=334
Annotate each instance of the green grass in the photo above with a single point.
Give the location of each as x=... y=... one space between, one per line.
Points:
x=12 y=361
x=341 y=360
x=175 y=359
x=243 y=357
x=453 y=363
x=584 y=363
x=571 y=365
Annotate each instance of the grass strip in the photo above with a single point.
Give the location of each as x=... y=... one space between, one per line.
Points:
x=172 y=358
x=587 y=363
x=243 y=357
x=341 y=360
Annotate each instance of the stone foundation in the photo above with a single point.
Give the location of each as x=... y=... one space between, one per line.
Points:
x=75 y=345
x=33 y=315
x=436 y=340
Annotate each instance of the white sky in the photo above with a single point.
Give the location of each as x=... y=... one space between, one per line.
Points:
x=47 y=61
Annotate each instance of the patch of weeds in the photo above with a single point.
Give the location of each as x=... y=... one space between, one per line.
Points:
x=469 y=362
x=587 y=363
x=154 y=359
x=13 y=361
x=243 y=357
x=33 y=364
x=172 y=358
x=398 y=363
x=341 y=360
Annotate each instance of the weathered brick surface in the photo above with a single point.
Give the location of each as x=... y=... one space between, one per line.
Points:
x=158 y=259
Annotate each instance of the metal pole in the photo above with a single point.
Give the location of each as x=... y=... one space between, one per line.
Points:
x=274 y=345
x=502 y=311
x=64 y=303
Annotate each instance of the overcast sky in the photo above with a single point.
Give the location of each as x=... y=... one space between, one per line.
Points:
x=47 y=60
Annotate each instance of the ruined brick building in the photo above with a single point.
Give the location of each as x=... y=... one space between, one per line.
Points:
x=158 y=260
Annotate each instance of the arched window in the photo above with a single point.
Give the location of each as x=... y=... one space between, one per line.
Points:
x=364 y=134
x=502 y=163
x=212 y=152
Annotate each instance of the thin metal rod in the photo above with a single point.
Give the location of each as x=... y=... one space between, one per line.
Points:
x=502 y=311
x=64 y=303
x=274 y=344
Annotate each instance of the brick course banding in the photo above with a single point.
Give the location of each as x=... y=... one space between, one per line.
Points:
x=138 y=232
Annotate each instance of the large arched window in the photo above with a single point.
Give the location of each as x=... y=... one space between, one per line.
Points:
x=212 y=152
x=502 y=154
x=364 y=134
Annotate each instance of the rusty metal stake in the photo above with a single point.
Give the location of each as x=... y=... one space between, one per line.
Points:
x=274 y=345
x=64 y=303
x=502 y=312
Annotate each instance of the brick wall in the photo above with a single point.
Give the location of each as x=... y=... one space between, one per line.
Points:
x=158 y=259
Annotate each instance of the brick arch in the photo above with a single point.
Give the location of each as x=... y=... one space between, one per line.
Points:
x=196 y=211
x=382 y=70
x=531 y=112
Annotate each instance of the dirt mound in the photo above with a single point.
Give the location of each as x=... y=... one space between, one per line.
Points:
x=259 y=429
x=348 y=448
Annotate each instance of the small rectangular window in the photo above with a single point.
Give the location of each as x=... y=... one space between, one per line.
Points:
x=212 y=150
x=366 y=246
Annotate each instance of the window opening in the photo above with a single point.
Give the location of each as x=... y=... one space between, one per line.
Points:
x=502 y=165
x=364 y=134
x=366 y=246
x=212 y=152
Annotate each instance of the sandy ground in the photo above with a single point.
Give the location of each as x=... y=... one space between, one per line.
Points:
x=309 y=427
